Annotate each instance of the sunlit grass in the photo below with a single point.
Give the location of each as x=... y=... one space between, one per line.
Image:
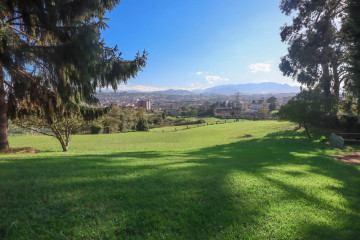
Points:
x=201 y=183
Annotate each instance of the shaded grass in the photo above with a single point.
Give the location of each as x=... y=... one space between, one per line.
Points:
x=197 y=184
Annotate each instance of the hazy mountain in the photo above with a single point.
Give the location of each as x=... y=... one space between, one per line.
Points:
x=197 y=91
x=228 y=90
x=252 y=88
x=175 y=92
x=117 y=91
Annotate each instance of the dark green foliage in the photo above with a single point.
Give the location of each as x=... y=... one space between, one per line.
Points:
x=142 y=125
x=348 y=116
x=157 y=120
x=52 y=57
x=263 y=113
x=312 y=107
x=112 y=121
x=352 y=30
x=272 y=101
x=95 y=129
x=272 y=106
x=316 y=49
x=200 y=121
x=71 y=59
x=190 y=111
x=350 y=122
x=206 y=111
x=321 y=38
x=142 y=122
x=306 y=108
x=128 y=119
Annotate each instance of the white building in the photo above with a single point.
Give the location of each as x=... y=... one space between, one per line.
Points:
x=144 y=104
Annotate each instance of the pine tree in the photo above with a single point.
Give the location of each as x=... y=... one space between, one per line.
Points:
x=52 y=57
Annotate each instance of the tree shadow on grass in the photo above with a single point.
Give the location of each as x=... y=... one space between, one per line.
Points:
x=236 y=190
x=269 y=158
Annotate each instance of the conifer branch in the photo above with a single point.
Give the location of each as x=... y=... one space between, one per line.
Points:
x=23 y=33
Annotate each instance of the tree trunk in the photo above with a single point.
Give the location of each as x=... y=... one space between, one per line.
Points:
x=325 y=61
x=64 y=143
x=4 y=144
x=336 y=79
x=307 y=131
x=326 y=80
x=65 y=146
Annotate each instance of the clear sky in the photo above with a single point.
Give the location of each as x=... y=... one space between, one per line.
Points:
x=196 y=44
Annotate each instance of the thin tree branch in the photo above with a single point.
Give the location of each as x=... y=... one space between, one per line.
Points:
x=32 y=129
x=12 y=19
x=31 y=37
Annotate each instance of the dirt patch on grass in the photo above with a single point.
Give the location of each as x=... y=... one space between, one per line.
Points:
x=18 y=151
x=245 y=136
x=352 y=158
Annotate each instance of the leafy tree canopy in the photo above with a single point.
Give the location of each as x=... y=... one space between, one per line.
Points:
x=316 y=48
x=352 y=31
x=305 y=108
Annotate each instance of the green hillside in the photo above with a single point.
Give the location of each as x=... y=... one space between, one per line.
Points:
x=201 y=183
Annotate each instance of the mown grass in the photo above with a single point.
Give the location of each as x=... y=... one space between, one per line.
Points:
x=208 y=122
x=202 y=183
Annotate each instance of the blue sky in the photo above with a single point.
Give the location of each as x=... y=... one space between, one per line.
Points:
x=196 y=44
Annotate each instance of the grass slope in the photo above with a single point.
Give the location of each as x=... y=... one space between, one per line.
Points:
x=201 y=183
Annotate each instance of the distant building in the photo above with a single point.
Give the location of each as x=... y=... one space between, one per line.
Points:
x=190 y=102
x=255 y=106
x=144 y=104
x=243 y=106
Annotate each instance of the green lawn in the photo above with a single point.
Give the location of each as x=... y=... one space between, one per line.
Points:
x=201 y=183
x=208 y=122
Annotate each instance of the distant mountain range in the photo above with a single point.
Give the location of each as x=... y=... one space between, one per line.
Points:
x=253 y=88
x=228 y=90
x=175 y=92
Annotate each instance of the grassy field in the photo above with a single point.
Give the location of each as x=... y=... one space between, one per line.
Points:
x=201 y=183
x=208 y=122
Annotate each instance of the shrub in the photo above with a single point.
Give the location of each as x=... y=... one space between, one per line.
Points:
x=95 y=129
x=330 y=121
x=200 y=121
x=349 y=121
x=142 y=125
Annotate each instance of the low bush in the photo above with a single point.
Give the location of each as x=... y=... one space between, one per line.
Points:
x=95 y=129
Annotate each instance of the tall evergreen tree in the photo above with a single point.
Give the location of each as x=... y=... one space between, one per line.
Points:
x=352 y=30
x=316 y=51
x=52 y=57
